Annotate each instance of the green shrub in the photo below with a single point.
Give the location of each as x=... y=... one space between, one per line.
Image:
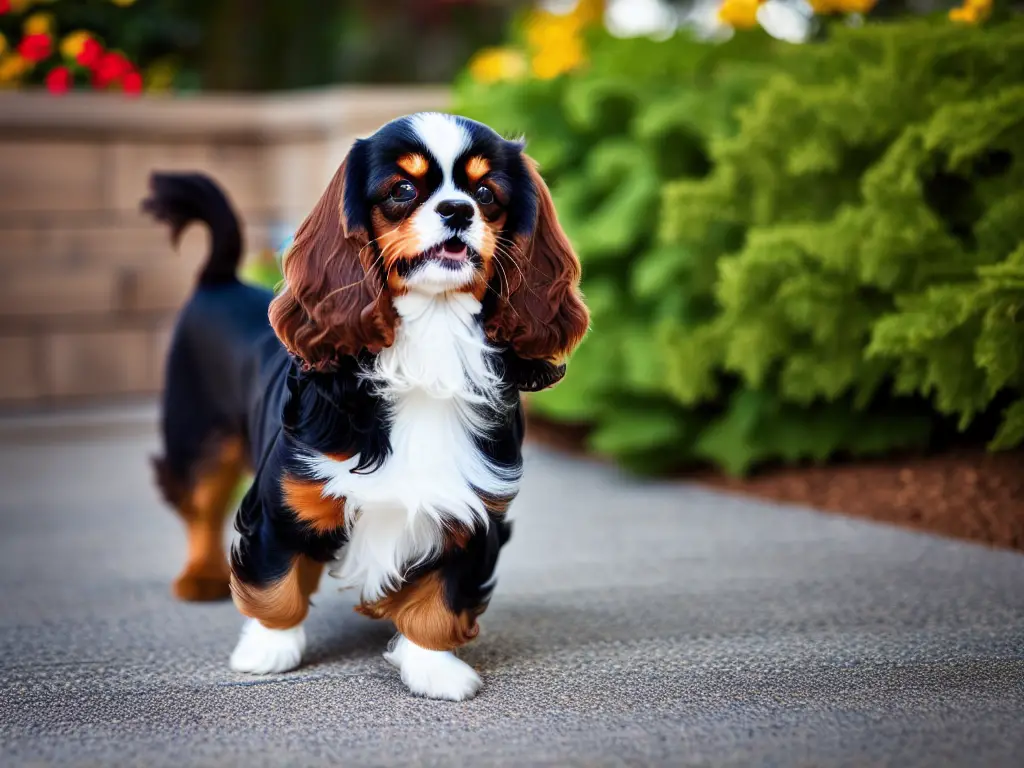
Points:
x=790 y=252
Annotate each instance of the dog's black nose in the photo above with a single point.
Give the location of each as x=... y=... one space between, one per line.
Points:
x=457 y=214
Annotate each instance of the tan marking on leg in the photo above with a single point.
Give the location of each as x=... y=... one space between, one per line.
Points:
x=204 y=508
x=309 y=576
x=283 y=604
x=414 y=164
x=306 y=499
x=476 y=168
x=420 y=612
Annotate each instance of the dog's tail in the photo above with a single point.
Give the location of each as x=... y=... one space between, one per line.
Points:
x=177 y=199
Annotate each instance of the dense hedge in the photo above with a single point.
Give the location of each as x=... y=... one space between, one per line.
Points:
x=790 y=252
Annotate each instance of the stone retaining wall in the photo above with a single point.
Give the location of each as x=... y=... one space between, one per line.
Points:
x=89 y=287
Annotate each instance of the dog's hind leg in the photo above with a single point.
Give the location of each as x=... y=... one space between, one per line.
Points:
x=204 y=504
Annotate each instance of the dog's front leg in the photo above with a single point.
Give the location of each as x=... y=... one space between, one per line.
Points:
x=273 y=639
x=271 y=584
x=436 y=614
x=435 y=674
x=429 y=631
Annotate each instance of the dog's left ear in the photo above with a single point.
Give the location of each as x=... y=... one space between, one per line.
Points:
x=540 y=313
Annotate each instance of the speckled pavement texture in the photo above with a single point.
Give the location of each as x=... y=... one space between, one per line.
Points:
x=635 y=623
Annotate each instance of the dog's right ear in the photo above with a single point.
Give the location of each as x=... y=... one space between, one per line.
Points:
x=333 y=302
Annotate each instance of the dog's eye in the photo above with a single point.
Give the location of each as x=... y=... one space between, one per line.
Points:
x=403 y=192
x=484 y=196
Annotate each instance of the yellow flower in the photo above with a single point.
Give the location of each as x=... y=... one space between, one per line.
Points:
x=73 y=43
x=588 y=11
x=555 y=41
x=3 y=43
x=971 y=12
x=553 y=61
x=548 y=30
x=18 y=6
x=38 y=24
x=123 y=3
x=491 y=65
x=12 y=67
x=739 y=14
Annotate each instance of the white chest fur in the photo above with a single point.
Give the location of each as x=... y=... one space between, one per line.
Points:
x=438 y=381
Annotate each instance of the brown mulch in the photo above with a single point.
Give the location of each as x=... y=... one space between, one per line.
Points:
x=966 y=493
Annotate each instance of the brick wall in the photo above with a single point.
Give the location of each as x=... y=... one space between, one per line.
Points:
x=89 y=287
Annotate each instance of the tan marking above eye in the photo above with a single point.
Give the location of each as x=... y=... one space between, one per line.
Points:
x=414 y=164
x=476 y=168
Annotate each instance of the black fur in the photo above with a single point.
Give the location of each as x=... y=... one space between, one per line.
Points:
x=181 y=198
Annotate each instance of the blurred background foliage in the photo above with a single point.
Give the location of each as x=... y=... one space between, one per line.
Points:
x=791 y=251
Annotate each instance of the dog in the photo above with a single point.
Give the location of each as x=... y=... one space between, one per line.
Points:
x=376 y=398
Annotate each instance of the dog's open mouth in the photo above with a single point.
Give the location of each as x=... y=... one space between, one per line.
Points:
x=451 y=250
x=452 y=254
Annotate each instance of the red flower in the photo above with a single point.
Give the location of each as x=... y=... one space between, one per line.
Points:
x=110 y=69
x=132 y=83
x=58 y=80
x=5 y=6
x=91 y=53
x=35 y=48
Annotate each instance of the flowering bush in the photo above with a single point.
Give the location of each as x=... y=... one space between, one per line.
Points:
x=790 y=252
x=61 y=57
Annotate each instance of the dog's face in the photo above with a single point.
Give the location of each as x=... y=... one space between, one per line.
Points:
x=439 y=192
x=434 y=204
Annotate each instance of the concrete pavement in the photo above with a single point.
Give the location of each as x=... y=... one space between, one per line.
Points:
x=635 y=623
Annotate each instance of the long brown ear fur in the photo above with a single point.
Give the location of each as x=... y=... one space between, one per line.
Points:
x=540 y=312
x=332 y=303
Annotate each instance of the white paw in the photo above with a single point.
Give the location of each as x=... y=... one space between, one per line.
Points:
x=262 y=651
x=434 y=674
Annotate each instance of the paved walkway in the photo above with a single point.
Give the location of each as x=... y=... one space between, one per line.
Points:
x=634 y=623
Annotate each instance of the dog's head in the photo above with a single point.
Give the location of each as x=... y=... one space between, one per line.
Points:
x=435 y=204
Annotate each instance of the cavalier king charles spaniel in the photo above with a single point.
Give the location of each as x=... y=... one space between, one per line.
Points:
x=376 y=397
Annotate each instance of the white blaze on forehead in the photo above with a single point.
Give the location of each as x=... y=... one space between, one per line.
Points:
x=446 y=141
x=443 y=137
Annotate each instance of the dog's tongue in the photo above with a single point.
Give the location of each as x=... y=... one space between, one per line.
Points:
x=454 y=249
